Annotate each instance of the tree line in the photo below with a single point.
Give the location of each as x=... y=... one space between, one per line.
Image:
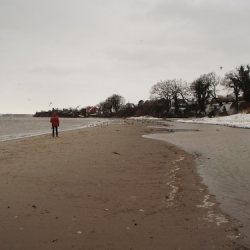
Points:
x=170 y=97
x=194 y=96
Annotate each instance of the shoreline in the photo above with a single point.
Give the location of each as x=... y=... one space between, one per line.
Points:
x=22 y=135
x=215 y=161
x=107 y=187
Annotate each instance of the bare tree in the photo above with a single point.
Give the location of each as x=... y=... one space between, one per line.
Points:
x=113 y=102
x=108 y=104
x=172 y=90
x=161 y=90
x=232 y=81
x=175 y=88
x=186 y=92
x=201 y=88
x=239 y=81
x=214 y=82
x=117 y=101
x=244 y=81
x=101 y=106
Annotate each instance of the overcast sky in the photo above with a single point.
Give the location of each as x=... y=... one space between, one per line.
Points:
x=79 y=52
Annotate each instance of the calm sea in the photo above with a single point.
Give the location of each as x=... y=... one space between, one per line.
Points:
x=19 y=127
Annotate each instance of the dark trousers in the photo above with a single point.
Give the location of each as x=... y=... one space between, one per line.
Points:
x=54 y=128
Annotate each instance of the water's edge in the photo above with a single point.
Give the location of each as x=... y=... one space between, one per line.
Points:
x=222 y=158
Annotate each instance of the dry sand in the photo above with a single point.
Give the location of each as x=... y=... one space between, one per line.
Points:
x=106 y=187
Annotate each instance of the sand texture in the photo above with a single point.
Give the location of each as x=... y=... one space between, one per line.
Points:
x=106 y=187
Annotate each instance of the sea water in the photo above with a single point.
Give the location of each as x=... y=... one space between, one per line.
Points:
x=14 y=127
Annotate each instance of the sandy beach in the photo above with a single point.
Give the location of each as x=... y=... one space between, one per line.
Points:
x=107 y=187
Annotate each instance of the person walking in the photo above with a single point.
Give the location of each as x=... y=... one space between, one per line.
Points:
x=54 y=120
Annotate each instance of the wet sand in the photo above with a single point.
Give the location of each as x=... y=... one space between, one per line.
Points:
x=107 y=187
x=222 y=156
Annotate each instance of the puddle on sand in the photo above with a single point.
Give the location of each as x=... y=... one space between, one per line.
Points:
x=222 y=162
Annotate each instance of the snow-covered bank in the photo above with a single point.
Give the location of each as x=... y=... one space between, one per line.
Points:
x=238 y=120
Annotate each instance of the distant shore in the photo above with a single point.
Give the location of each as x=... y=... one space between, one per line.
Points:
x=106 y=187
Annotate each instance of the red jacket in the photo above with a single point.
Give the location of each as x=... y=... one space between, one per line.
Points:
x=54 y=120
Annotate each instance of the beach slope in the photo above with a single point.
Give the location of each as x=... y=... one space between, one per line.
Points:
x=106 y=187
